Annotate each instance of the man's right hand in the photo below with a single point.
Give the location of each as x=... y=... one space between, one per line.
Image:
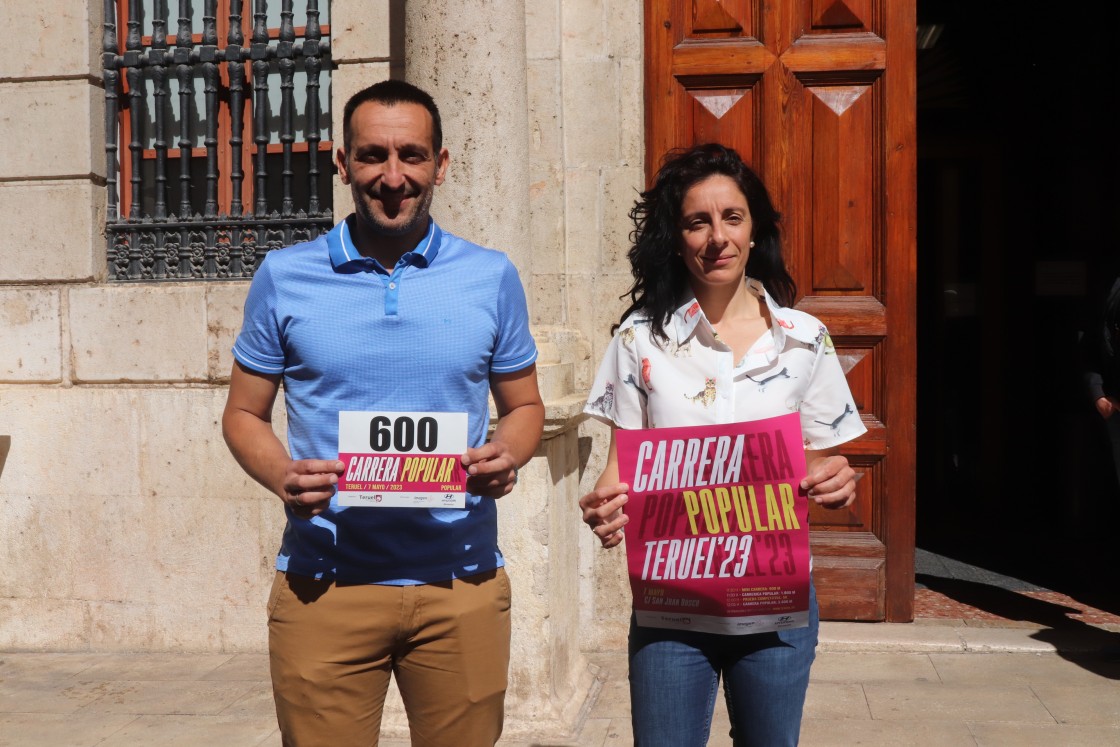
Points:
x=309 y=484
x=306 y=485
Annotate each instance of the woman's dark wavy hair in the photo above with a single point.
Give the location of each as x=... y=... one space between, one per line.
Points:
x=659 y=272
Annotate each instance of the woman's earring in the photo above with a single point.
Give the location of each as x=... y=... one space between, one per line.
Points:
x=752 y=245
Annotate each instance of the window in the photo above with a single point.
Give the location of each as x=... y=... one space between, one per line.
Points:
x=218 y=141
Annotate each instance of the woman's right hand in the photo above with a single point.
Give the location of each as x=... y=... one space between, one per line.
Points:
x=602 y=511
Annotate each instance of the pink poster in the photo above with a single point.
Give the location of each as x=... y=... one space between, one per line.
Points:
x=718 y=539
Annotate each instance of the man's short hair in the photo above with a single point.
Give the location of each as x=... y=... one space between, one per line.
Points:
x=390 y=93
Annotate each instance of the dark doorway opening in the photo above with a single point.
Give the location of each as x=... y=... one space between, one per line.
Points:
x=1018 y=203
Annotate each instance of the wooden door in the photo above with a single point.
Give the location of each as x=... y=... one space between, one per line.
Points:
x=819 y=96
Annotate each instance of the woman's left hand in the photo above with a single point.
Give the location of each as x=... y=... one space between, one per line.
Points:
x=830 y=481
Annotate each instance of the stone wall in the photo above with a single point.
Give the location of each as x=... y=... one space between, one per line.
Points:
x=584 y=61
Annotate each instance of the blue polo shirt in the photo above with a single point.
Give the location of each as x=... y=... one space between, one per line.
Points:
x=423 y=336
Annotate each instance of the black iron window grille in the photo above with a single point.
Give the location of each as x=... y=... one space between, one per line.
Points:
x=216 y=152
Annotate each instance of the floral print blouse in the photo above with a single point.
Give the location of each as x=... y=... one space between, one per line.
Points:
x=693 y=380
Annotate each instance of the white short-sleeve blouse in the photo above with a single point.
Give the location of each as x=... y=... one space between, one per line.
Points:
x=693 y=379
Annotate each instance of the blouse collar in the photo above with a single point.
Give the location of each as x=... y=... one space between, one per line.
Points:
x=785 y=322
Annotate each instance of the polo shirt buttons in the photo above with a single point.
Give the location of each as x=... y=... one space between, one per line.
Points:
x=392 y=286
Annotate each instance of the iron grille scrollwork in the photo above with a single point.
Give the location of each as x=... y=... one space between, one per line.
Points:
x=193 y=224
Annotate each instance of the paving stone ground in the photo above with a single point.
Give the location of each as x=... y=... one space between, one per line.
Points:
x=988 y=661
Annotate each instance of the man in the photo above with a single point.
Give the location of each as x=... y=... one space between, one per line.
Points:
x=387 y=313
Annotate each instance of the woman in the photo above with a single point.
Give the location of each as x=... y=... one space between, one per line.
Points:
x=709 y=318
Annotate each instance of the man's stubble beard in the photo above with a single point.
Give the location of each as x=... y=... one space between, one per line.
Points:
x=419 y=216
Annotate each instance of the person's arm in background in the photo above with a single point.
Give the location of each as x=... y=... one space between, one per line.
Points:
x=305 y=485
x=1089 y=354
x=492 y=467
x=1095 y=346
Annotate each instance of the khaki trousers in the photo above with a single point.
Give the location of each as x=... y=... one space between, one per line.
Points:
x=333 y=648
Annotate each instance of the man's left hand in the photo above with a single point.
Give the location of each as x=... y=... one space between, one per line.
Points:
x=491 y=470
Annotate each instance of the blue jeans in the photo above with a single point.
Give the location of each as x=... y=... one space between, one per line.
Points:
x=675 y=674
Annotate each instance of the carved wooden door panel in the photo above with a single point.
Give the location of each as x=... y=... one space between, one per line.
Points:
x=819 y=96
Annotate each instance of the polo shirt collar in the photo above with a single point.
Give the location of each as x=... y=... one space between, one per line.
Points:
x=345 y=257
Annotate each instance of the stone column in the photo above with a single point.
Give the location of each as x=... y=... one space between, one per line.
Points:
x=470 y=55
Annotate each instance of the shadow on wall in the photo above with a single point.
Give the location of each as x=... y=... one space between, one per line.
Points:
x=5 y=446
